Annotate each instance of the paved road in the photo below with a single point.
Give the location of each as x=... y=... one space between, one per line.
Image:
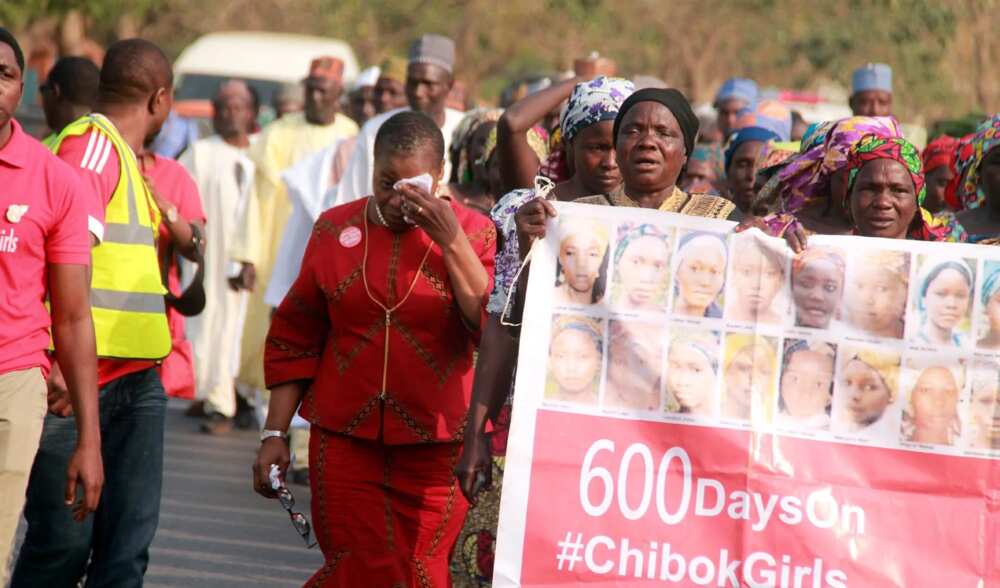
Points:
x=214 y=531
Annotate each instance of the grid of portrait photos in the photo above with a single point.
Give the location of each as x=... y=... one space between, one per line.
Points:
x=864 y=341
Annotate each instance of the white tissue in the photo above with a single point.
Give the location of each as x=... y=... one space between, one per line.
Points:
x=424 y=181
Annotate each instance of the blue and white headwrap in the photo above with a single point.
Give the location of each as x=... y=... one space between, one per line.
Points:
x=592 y=102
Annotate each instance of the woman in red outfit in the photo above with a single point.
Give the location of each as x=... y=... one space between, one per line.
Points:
x=373 y=345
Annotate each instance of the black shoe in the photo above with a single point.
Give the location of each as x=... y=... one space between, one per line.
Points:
x=217 y=425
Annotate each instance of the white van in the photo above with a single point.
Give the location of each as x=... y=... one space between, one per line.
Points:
x=265 y=60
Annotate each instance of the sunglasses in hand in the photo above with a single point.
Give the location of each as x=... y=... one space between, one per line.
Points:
x=287 y=501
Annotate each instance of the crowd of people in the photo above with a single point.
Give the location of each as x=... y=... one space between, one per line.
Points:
x=349 y=278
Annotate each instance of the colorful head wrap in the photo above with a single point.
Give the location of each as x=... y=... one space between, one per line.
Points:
x=872 y=147
x=821 y=253
x=940 y=152
x=593 y=102
x=991 y=285
x=970 y=157
x=712 y=155
x=805 y=178
x=746 y=135
x=674 y=101
x=925 y=227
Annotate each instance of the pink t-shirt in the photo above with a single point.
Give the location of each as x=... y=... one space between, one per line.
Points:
x=174 y=184
x=43 y=220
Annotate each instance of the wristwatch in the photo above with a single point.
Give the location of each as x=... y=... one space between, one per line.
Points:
x=268 y=433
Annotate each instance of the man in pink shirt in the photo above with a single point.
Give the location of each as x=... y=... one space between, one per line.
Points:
x=44 y=251
x=177 y=197
x=110 y=548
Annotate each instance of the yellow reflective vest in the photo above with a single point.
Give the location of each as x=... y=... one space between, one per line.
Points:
x=126 y=295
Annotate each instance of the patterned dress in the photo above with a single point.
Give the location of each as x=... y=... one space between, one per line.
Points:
x=373 y=325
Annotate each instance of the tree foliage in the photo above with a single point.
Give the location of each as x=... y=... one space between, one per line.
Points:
x=944 y=53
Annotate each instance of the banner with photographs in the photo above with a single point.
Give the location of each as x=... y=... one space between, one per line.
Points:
x=696 y=406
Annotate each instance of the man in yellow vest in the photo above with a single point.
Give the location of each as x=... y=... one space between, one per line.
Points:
x=134 y=97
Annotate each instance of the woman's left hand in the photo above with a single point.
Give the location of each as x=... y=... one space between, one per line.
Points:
x=434 y=215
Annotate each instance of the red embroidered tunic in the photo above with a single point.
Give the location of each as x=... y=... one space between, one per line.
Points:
x=329 y=331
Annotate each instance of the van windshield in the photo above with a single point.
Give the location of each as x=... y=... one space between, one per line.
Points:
x=196 y=86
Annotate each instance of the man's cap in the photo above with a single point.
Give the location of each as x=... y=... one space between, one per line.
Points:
x=434 y=50
x=872 y=76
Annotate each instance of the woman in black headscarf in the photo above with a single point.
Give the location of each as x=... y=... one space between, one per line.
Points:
x=654 y=134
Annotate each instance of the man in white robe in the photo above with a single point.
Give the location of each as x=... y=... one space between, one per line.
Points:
x=225 y=177
x=428 y=82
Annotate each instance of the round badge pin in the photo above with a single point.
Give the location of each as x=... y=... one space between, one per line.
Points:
x=350 y=237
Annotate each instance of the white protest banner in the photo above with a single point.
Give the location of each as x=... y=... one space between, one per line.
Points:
x=697 y=407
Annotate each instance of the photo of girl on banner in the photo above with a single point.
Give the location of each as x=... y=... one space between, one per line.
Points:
x=866 y=391
x=635 y=365
x=931 y=414
x=983 y=428
x=642 y=267
x=700 y=274
x=818 y=286
x=692 y=371
x=989 y=297
x=756 y=285
x=805 y=394
x=875 y=297
x=942 y=301
x=750 y=369
x=575 y=357
x=582 y=270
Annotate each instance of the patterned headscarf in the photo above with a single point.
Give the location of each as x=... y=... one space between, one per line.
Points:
x=926 y=227
x=970 y=157
x=711 y=154
x=872 y=147
x=591 y=102
x=805 y=179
